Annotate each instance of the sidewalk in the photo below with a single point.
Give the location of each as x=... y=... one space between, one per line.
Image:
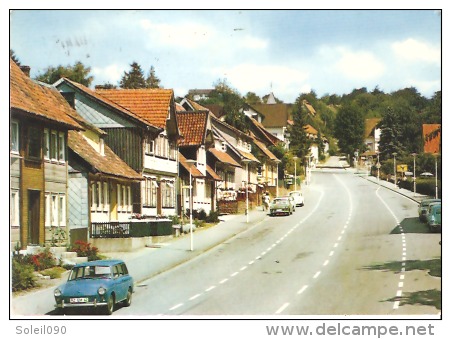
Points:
x=391 y=186
x=150 y=261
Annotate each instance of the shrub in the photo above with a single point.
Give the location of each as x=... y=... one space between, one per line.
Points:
x=84 y=249
x=202 y=215
x=213 y=217
x=22 y=275
x=54 y=272
x=175 y=219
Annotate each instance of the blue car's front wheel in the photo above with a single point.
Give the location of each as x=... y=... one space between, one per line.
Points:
x=128 y=300
x=110 y=305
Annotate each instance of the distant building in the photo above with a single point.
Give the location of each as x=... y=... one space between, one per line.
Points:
x=431 y=137
x=199 y=94
x=372 y=135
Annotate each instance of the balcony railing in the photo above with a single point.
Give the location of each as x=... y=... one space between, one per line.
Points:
x=112 y=229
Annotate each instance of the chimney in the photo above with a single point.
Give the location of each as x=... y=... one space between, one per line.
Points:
x=26 y=70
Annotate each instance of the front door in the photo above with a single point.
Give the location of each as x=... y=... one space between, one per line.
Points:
x=34 y=200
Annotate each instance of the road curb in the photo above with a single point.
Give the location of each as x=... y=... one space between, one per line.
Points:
x=394 y=190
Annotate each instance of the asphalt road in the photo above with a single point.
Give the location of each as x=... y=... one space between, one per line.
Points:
x=348 y=251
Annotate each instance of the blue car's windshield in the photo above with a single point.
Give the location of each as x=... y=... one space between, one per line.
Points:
x=90 y=272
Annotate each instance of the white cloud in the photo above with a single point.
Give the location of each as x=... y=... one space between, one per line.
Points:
x=426 y=87
x=359 y=65
x=184 y=35
x=414 y=50
x=192 y=35
x=111 y=73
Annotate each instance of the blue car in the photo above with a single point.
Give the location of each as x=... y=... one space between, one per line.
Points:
x=100 y=283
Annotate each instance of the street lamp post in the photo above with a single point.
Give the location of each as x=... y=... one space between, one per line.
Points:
x=295 y=181
x=277 y=177
x=414 y=176
x=394 y=165
x=378 y=165
x=247 y=161
x=436 y=176
x=190 y=163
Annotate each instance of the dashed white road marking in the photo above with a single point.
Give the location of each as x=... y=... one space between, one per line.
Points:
x=331 y=253
x=251 y=262
x=243 y=268
x=396 y=305
x=399 y=293
x=401 y=277
x=400 y=284
x=175 y=307
x=316 y=274
x=195 y=296
x=326 y=263
x=223 y=281
x=339 y=238
x=336 y=244
x=284 y=306
x=210 y=288
x=302 y=289
x=234 y=274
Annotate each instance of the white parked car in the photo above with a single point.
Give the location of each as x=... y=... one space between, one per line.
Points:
x=298 y=198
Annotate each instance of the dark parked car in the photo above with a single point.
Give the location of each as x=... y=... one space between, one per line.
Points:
x=434 y=217
x=423 y=207
x=100 y=283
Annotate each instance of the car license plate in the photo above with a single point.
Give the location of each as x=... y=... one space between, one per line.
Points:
x=78 y=300
x=279 y=210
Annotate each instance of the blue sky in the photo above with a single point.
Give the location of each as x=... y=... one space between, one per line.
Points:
x=294 y=51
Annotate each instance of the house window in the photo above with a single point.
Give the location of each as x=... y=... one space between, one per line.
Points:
x=168 y=194
x=94 y=197
x=46 y=144
x=15 y=137
x=100 y=194
x=106 y=196
x=48 y=212
x=151 y=192
x=53 y=146
x=62 y=210
x=119 y=198
x=34 y=143
x=61 y=147
x=55 y=209
x=129 y=194
x=172 y=151
x=149 y=146
x=14 y=205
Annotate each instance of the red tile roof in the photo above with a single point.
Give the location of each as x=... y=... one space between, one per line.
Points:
x=248 y=155
x=194 y=170
x=265 y=150
x=431 y=137
x=150 y=104
x=40 y=100
x=109 y=163
x=310 y=130
x=370 y=125
x=223 y=157
x=106 y=101
x=213 y=174
x=192 y=125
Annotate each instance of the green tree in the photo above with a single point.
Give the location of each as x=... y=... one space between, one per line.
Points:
x=152 y=81
x=251 y=98
x=349 y=129
x=78 y=73
x=134 y=78
x=390 y=139
x=299 y=142
x=13 y=56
